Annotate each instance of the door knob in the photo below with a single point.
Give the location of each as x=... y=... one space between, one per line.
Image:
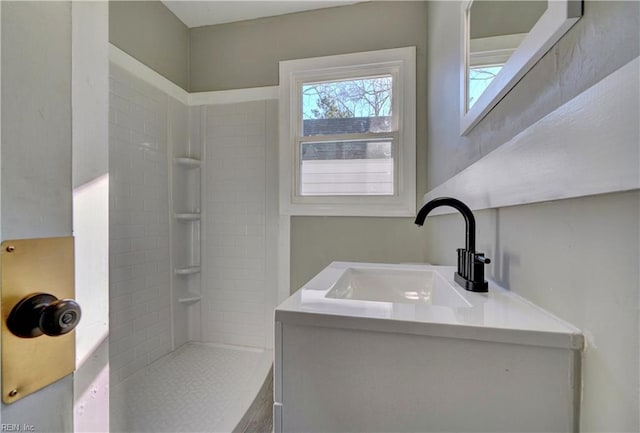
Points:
x=42 y=313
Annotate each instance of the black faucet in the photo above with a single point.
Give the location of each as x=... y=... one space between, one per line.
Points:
x=470 y=274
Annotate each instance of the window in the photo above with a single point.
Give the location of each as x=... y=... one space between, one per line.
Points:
x=479 y=79
x=347 y=127
x=487 y=56
x=347 y=137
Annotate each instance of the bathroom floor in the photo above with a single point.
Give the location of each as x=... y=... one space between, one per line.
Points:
x=196 y=388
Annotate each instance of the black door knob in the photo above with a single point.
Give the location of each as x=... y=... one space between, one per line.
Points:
x=42 y=313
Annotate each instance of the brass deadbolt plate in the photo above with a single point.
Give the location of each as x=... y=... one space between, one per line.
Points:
x=29 y=266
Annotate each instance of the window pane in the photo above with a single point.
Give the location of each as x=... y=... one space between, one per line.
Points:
x=479 y=79
x=347 y=106
x=355 y=167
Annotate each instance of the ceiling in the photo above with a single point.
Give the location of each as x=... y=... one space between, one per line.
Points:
x=204 y=13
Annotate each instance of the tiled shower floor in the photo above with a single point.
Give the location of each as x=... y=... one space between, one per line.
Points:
x=196 y=388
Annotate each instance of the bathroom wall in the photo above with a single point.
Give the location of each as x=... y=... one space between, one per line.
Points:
x=140 y=295
x=604 y=39
x=496 y=18
x=239 y=197
x=237 y=143
x=240 y=222
x=578 y=257
x=246 y=54
x=151 y=33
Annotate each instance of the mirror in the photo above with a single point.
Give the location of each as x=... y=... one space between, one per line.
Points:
x=496 y=29
x=502 y=40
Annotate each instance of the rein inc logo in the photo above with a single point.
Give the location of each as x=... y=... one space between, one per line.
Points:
x=17 y=427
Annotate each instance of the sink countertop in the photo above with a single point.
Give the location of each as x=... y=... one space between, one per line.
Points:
x=499 y=315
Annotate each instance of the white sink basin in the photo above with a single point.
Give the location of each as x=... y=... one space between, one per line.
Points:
x=405 y=286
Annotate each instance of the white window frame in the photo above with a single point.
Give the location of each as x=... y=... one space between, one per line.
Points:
x=398 y=62
x=494 y=50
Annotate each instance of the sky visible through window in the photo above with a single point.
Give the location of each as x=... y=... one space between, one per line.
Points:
x=365 y=97
x=479 y=79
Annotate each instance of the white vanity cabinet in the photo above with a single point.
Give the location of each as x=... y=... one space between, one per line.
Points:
x=498 y=363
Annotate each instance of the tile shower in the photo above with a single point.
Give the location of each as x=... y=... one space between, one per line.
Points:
x=193 y=259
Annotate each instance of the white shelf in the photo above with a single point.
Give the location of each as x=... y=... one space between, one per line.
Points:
x=188 y=300
x=188 y=162
x=187 y=216
x=187 y=270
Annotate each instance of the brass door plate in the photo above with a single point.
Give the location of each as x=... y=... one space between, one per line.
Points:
x=29 y=266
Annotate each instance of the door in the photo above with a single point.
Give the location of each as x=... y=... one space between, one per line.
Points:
x=54 y=182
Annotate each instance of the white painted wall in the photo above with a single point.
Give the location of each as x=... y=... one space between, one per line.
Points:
x=36 y=119
x=562 y=155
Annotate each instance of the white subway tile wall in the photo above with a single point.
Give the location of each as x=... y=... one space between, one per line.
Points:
x=238 y=227
x=140 y=330
x=236 y=288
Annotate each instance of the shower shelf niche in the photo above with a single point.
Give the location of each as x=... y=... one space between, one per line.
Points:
x=186 y=169
x=187 y=270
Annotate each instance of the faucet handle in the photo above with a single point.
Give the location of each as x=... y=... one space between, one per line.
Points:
x=480 y=258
